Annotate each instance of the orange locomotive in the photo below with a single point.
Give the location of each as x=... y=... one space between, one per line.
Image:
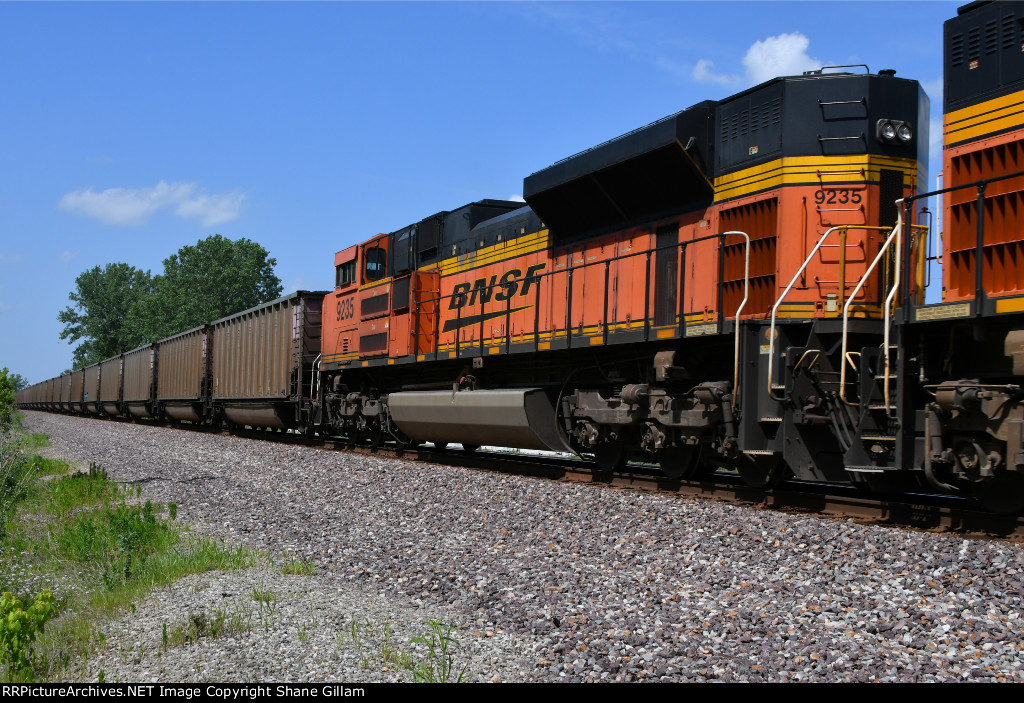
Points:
x=737 y=285
x=602 y=316
x=961 y=381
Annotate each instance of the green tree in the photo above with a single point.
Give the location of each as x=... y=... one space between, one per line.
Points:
x=215 y=278
x=106 y=314
x=17 y=381
x=7 y=409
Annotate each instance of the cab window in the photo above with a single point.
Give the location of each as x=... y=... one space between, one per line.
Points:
x=345 y=274
x=376 y=261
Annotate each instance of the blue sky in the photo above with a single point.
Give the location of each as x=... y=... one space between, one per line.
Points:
x=128 y=130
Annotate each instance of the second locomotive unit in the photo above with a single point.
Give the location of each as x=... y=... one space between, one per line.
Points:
x=601 y=318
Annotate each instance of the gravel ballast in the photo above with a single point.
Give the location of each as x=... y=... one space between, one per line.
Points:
x=545 y=581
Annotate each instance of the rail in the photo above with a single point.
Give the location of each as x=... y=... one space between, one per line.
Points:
x=895 y=236
x=775 y=308
x=979 y=244
x=739 y=311
x=486 y=293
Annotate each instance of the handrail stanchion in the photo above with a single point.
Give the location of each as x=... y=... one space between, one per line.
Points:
x=739 y=310
x=895 y=235
x=775 y=308
x=886 y=311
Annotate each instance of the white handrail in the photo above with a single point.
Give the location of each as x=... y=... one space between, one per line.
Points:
x=746 y=293
x=896 y=235
x=771 y=332
x=892 y=296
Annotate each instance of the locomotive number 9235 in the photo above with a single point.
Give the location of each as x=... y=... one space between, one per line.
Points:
x=837 y=196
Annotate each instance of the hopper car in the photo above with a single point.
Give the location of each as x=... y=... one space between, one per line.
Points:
x=741 y=284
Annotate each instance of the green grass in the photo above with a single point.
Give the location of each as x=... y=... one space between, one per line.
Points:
x=439 y=665
x=76 y=491
x=100 y=550
x=299 y=567
x=221 y=623
x=37 y=441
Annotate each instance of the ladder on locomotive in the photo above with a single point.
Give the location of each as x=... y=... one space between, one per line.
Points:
x=866 y=407
x=876 y=368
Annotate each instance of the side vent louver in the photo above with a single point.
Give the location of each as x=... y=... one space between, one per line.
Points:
x=1009 y=31
x=757 y=117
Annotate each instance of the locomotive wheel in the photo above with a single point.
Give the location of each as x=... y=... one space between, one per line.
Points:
x=679 y=462
x=372 y=435
x=1002 y=494
x=761 y=470
x=470 y=447
x=439 y=445
x=610 y=456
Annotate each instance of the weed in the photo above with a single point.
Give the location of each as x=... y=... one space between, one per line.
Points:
x=439 y=666
x=266 y=600
x=220 y=624
x=389 y=653
x=17 y=476
x=240 y=620
x=18 y=629
x=299 y=567
x=78 y=490
x=303 y=634
x=37 y=441
x=109 y=553
x=120 y=539
x=49 y=467
x=264 y=596
x=172 y=510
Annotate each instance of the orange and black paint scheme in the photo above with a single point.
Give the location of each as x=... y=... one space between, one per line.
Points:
x=740 y=285
x=616 y=286
x=965 y=354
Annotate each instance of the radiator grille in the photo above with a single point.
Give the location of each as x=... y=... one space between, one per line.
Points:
x=760 y=221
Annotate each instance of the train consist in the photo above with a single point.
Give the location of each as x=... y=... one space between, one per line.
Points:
x=740 y=284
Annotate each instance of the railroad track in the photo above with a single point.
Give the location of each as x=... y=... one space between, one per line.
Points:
x=924 y=511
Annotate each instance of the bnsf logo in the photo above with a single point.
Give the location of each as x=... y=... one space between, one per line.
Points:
x=501 y=289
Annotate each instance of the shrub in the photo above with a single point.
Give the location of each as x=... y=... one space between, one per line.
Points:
x=8 y=410
x=16 y=474
x=18 y=629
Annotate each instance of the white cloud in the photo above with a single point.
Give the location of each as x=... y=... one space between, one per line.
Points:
x=784 y=55
x=213 y=209
x=134 y=206
x=67 y=255
x=516 y=198
x=10 y=258
x=704 y=72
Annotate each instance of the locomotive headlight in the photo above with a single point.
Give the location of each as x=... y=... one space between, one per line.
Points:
x=886 y=130
x=890 y=131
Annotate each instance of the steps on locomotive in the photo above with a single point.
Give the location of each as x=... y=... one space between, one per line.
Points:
x=878 y=425
x=794 y=416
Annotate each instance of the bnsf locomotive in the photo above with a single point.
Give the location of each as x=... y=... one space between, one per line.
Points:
x=740 y=284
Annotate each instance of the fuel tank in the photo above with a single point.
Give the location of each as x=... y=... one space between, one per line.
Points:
x=523 y=418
